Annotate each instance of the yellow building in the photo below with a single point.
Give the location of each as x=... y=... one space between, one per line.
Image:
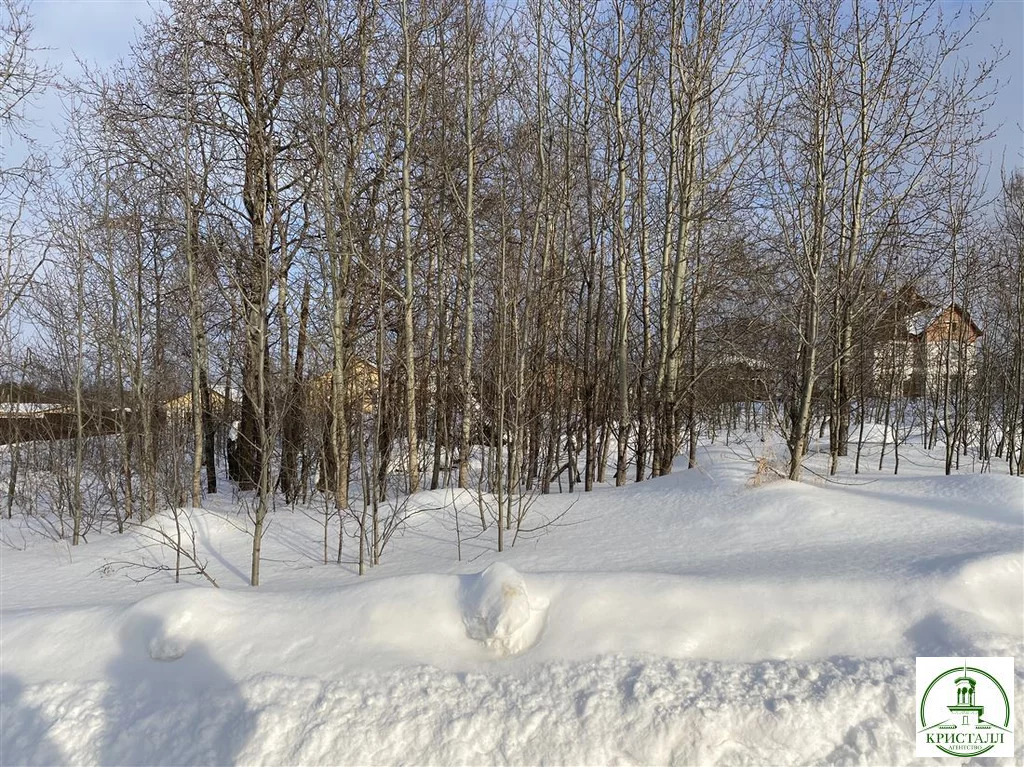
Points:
x=361 y=381
x=220 y=402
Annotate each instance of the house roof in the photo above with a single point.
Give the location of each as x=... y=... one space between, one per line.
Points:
x=739 y=360
x=30 y=409
x=920 y=321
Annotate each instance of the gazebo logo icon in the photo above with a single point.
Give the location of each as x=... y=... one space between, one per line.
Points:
x=965 y=710
x=965 y=689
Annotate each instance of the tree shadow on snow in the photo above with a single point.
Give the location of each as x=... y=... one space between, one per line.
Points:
x=169 y=702
x=24 y=731
x=981 y=511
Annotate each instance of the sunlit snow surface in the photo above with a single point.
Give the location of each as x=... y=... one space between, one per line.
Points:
x=696 y=619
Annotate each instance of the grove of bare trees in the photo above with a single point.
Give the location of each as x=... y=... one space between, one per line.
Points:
x=367 y=248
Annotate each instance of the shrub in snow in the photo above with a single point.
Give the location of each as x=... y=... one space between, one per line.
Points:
x=766 y=468
x=497 y=611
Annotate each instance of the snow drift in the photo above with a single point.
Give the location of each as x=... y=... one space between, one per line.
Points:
x=607 y=710
x=688 y=620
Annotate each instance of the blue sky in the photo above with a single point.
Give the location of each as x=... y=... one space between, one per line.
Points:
x=101 y=31
x=1004 y=24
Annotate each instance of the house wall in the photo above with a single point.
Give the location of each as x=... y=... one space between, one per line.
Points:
x=950 y=324
x=920 y=361
x=361 y=380
x=962 y=362
x=899 y=356
x=182 y=406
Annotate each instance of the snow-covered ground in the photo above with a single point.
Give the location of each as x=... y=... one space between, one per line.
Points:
x=701 y=618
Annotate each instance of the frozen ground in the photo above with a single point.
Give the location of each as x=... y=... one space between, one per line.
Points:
x=694 y=619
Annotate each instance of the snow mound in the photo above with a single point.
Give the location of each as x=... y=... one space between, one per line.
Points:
x=497 y=610
x=166 y=648
x=164 y=627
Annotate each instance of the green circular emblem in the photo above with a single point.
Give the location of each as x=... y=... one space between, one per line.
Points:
x=958 y=721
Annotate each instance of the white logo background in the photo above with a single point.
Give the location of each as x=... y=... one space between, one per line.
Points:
x=996 y=719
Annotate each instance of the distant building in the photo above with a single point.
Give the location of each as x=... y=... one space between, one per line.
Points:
x=361 y=381
x=32 y=409
x=736 y=378
x=923 y=344
x=46 y=421
x=221 y=402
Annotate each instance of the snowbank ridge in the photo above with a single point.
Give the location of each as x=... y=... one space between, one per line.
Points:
x=612 y=709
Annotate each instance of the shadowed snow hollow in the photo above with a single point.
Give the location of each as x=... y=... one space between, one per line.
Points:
x=497 y=610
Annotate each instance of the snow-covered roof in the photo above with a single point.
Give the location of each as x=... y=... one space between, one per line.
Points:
x=918 y=323
x=30 y=409
x=740 y=360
